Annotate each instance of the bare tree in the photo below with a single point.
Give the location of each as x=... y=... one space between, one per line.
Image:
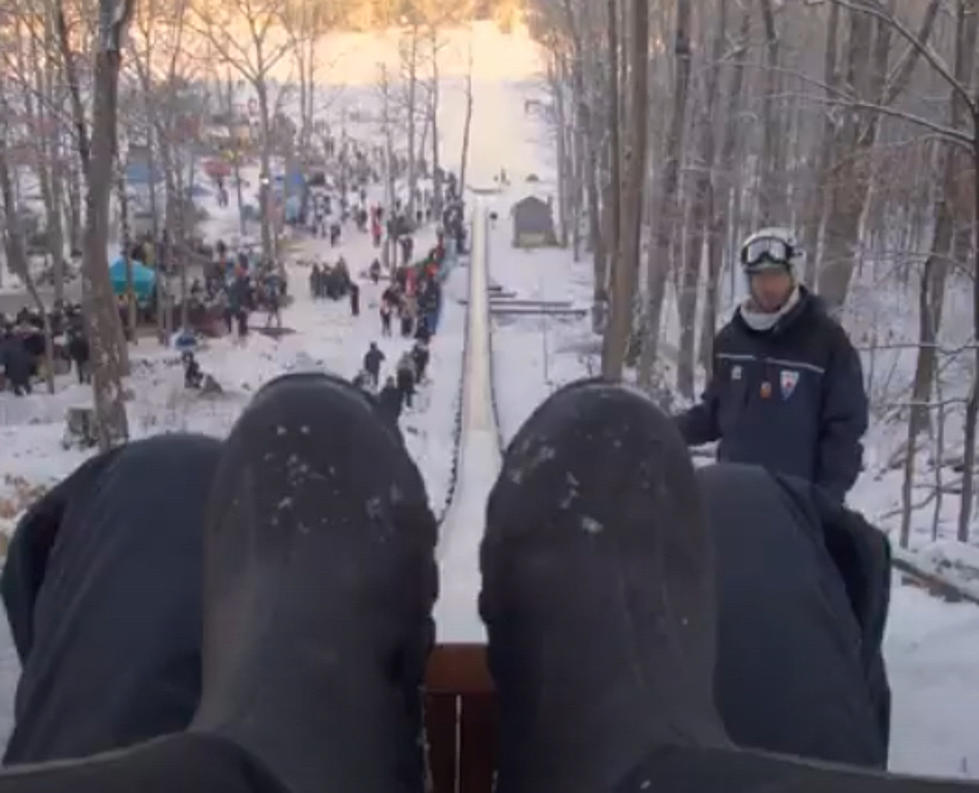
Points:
x=666 y=215
x=252 y=56
x=868 y=88
x=625 y=275
x=701 y=213
x=467 y=124
x=771 y=194
x=614 y=245
x=97 y=154
x=721 y=187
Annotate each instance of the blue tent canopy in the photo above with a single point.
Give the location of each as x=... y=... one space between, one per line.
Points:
x=144 y=279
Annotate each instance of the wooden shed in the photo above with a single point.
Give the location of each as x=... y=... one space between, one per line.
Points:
x=533 y=223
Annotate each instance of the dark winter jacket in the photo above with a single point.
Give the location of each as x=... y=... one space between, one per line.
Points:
x=390 y=400
x=16 y=360
x=790 y=399
x=420 y=356
x=78 y=347
x=372 y=360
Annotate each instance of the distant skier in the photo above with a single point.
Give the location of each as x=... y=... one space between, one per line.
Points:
x=372 y=363
x=375 y=271
x=334 y=234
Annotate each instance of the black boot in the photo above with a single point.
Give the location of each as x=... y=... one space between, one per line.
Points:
x=318 y=587
x=598 y=594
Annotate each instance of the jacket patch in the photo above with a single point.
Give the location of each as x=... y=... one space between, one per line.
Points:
x=788 y=380
x=736 y=372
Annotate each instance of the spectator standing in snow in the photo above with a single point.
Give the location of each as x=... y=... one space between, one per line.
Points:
x=406 y=378
x=315 y=282
x=391 y=400
x=420 y=355
x=334 y=235
x=787 y=387
x=78 y=349
x=16 y=364
x=272 y=303
x=354 y=299
x=409 y=310
x=375 y=271
x=407 y=248
x=386 y=311
x=372 y=363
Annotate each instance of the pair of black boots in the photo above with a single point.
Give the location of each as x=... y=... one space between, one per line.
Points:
x=319 y=583
x=320 y=579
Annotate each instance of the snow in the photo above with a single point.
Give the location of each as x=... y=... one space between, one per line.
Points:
x=931 y=649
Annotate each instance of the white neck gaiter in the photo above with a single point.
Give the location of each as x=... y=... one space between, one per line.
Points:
x=761 y=321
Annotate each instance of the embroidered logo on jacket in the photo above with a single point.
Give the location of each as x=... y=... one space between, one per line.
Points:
x=735 y=372
x=789 y=379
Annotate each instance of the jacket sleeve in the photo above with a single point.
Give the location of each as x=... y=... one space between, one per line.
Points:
x=699 y=425
x=843 y=421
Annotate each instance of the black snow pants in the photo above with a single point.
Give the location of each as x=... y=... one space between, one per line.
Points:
x=796 y=673
x=102 y=592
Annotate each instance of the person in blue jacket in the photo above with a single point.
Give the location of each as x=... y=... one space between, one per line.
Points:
x=786 y=391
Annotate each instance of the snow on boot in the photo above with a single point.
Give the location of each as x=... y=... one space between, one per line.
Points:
x=318 y=587
x=598 y=594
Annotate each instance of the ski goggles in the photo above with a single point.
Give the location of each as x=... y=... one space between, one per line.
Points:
x=767 y=250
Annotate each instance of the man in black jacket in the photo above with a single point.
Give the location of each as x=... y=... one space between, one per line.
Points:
x=787 y=387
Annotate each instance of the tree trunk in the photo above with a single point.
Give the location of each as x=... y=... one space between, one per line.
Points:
x=412 y=102
x=770 y=196
x=701 y=218
x=868 y=78
x=265 y=177
x=816 y=208
x=436 y=160
x=127 y=247
x=236 y=154
x=577 y=146
x=666 y=217
x=972 y=406
x=557 y=93
x=720 y=193
x=467 y=127
x=625 y=276
x=614 y=245
x=73 y=196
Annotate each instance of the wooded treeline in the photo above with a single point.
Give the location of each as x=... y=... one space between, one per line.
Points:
x=680 y=126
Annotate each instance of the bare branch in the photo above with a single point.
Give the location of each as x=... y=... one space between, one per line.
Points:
x=923 y=49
